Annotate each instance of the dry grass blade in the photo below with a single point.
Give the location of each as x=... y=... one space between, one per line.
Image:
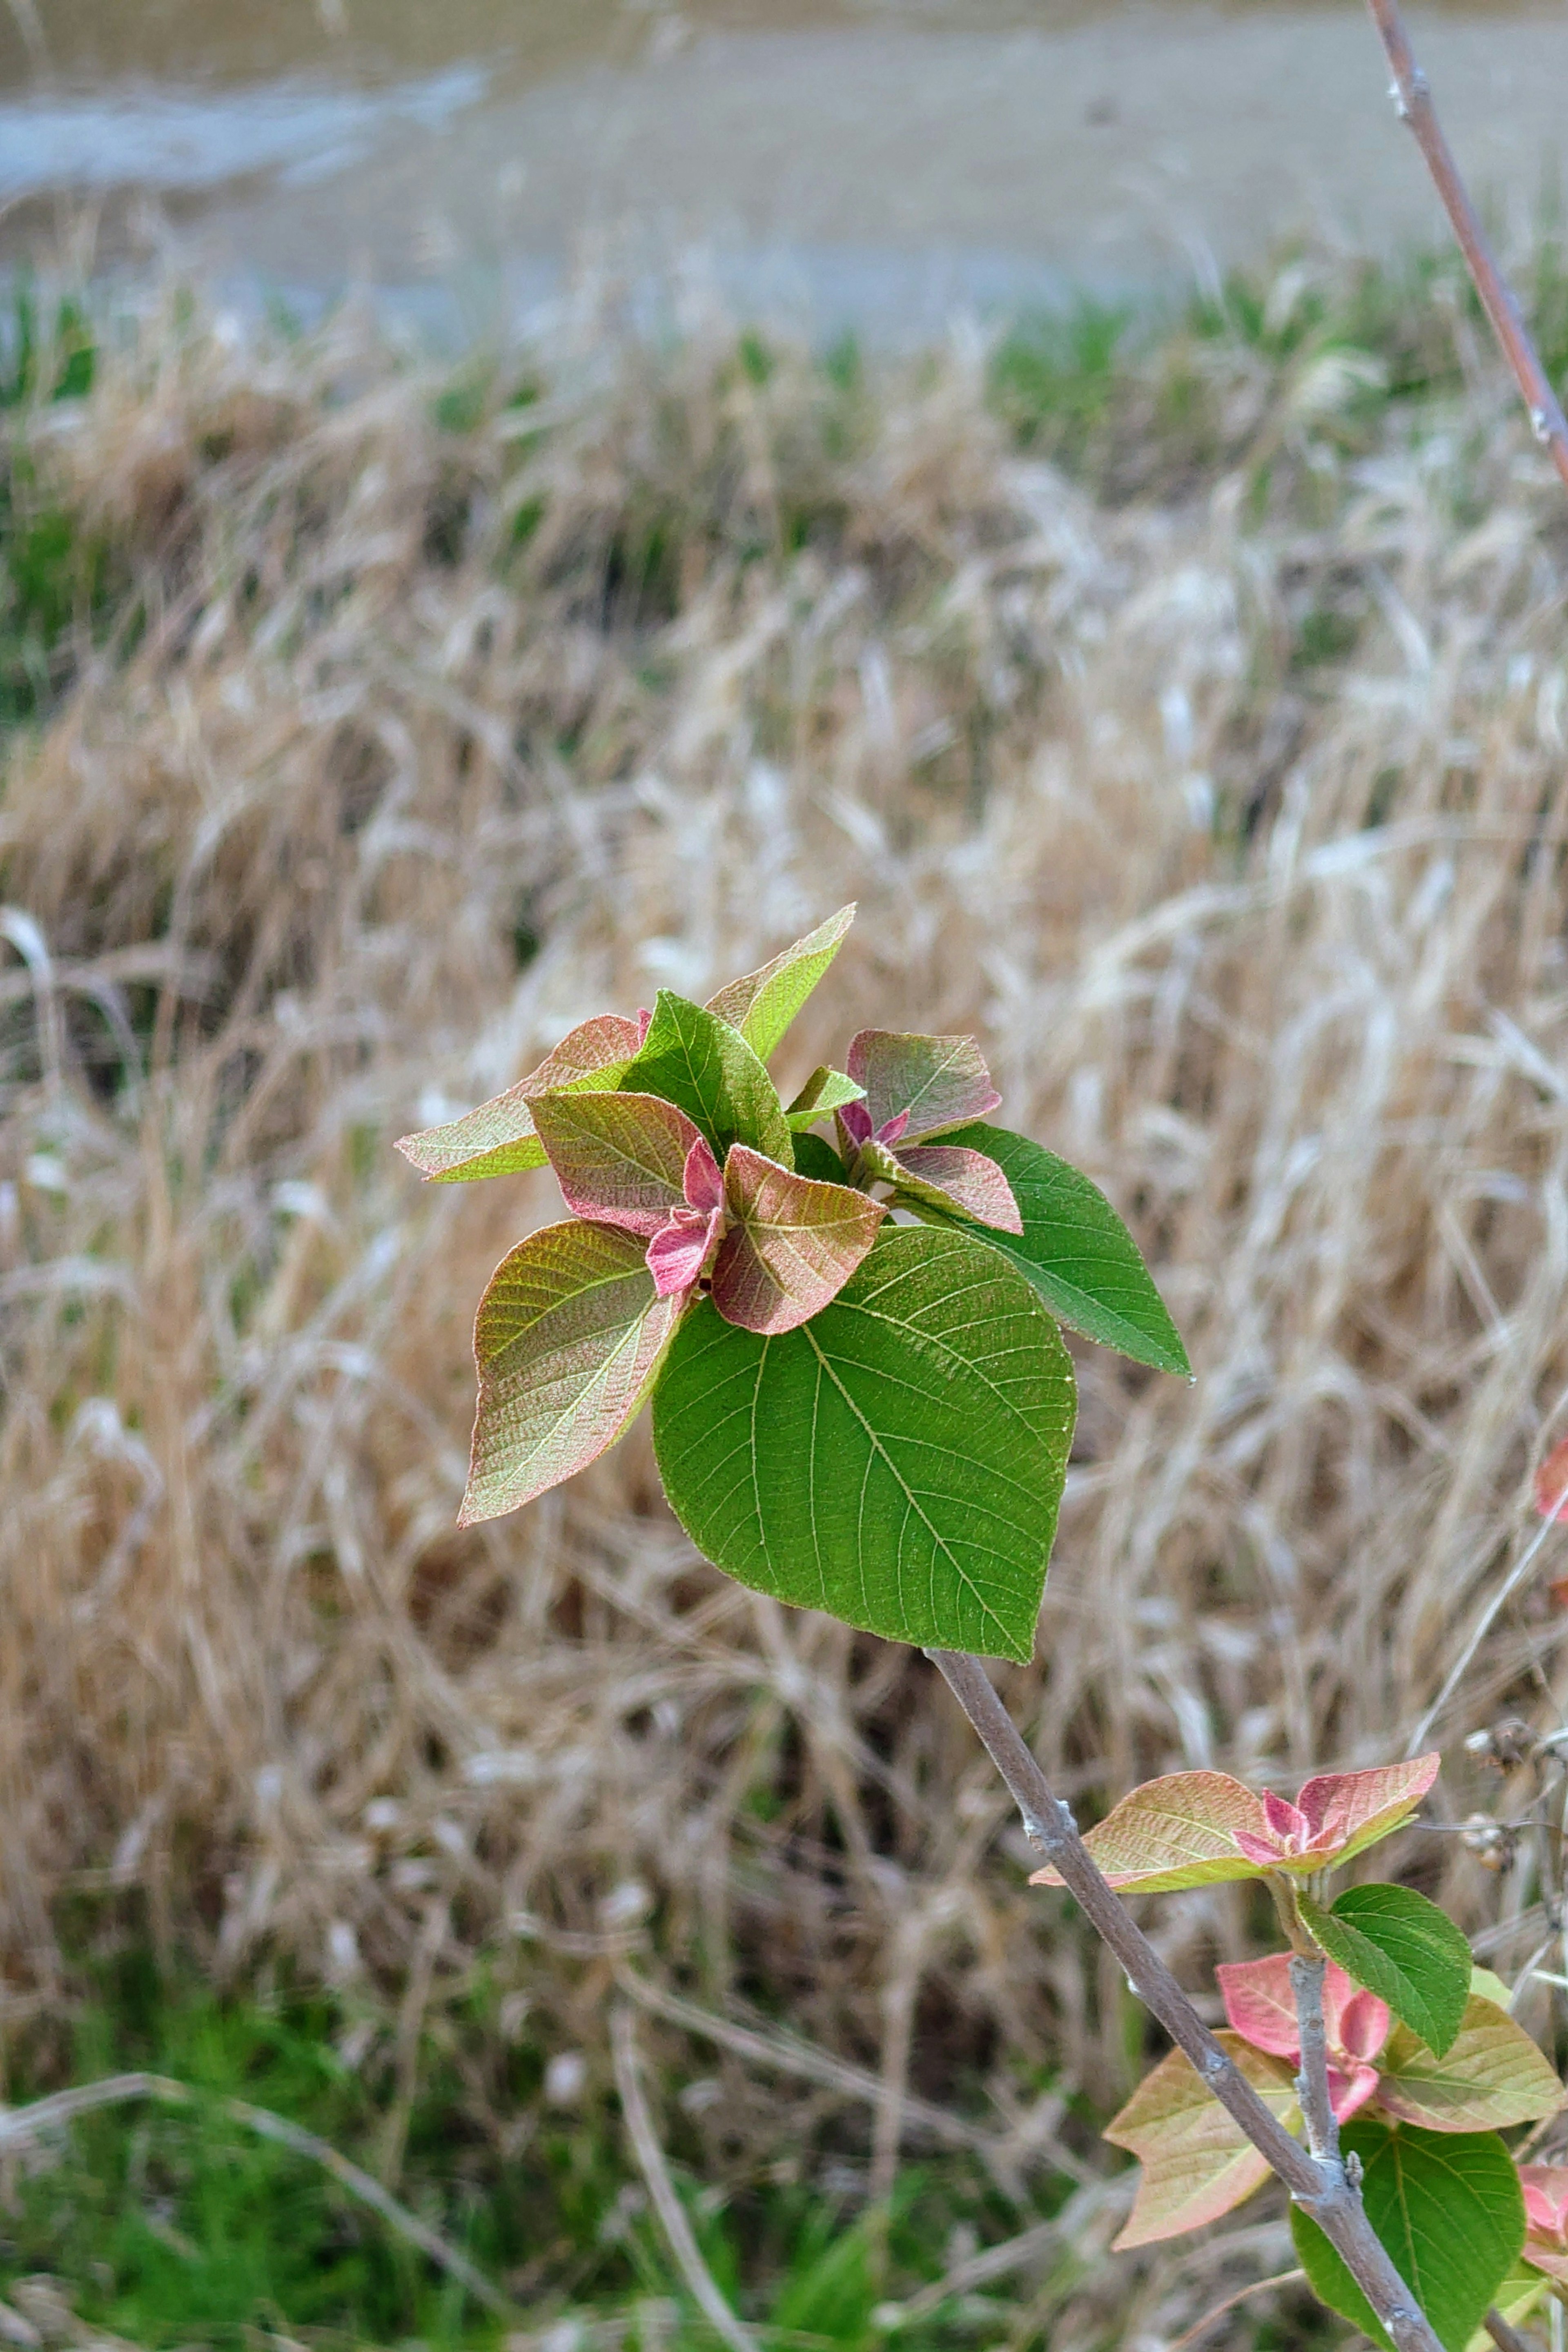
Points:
x=1194 y=2334
x=671 y=2214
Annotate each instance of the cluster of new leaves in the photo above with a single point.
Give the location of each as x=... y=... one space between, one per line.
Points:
x=1425 y=2065
x=861 y=1399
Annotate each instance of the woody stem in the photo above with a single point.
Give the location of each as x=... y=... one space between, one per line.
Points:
x=1306 y=1971
x=1323 y=2190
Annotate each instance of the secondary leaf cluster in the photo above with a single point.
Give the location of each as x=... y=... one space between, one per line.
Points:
x=845 y=1309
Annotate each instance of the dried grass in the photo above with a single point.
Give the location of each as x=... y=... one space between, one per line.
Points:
x=1274 y=947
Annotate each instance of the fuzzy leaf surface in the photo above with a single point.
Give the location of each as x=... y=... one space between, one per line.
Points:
x=1492 y=2074
x=898 y=1461
x=1402 y=1947
x=696 y=1060
x=1078 y=1253
x=568 y=1340
x=948 y=1176
x=1449 y=2210
x=792 y=1245
x=938 y=1082
x=619 y=1159
x=762 y=1005
x=1197 y=2163
x=1178 y=1831
x=499 y=1138
x=826 y=1090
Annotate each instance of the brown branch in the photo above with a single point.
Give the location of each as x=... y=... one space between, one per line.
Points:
x=1413 y=97
x=1322 y=2188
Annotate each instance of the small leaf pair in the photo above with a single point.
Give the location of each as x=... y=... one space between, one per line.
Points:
x=1200 y=1828
x=780 y=1245
x=916 y=1087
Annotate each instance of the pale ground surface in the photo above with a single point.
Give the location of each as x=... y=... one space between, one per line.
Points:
x=873 y=165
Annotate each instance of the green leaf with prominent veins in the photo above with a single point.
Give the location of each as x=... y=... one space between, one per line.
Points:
x=1402 y=1948
x=825 y=1090
x=1450 y=2212
x=697 y=1061
x=1174 y=1832
x=1491 y=2076
x=1197 y=2162
x=619 y=1159
x=762 y=1006
x=898 y=1461
x=1076 y=1250
x=792 y=1245
x=568 y=1339
x=499 y=1138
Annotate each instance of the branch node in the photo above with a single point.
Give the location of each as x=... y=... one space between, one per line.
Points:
x=1353 y=2170
x=1541 y=426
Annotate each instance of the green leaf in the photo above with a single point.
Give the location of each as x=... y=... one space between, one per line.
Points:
x=568 y=1339
x=1076 y=1250
x=619 y=1159
x=762 y=1006
x=1402 y=1947
x=1449 y=2208
x=698 y=1061
x=1197 y=2162
x=819 y=1160
x=1491 y=2074
x=499 y=1138
x=792 y=1245
x=825 y=1090
x=898 y=1461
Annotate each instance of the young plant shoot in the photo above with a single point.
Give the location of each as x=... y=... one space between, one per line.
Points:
x=844 y=1309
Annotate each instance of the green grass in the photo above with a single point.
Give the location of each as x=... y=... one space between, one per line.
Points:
x=179 y=2226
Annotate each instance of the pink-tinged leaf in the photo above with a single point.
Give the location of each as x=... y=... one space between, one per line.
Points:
x=940 y=1082
x=791 y=1245
x=1493 y=2076
x=1179 y=1831
x=702 y=1179
x=499 y=1138
x=1348 y=1812
x=1545 y=2187
x=1261 y=2005
x=1552 y=1483
x=1349 y=2090
x=953 y=1177
x=568 y=1339
x=620 y=1159
x=1196 y=2161
x=678 y=1251
x=762 y=1005
x=1358 y=2023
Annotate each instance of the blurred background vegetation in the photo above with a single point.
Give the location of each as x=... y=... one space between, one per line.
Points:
x=1177 y=680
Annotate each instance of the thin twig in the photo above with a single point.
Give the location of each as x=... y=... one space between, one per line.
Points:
x=1200 y=2329
x=19 y=2124
x=1307 y=1970
x=1323 y=2191
x=1413 y=97
x=672 y=2212
x=1506 y=2339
